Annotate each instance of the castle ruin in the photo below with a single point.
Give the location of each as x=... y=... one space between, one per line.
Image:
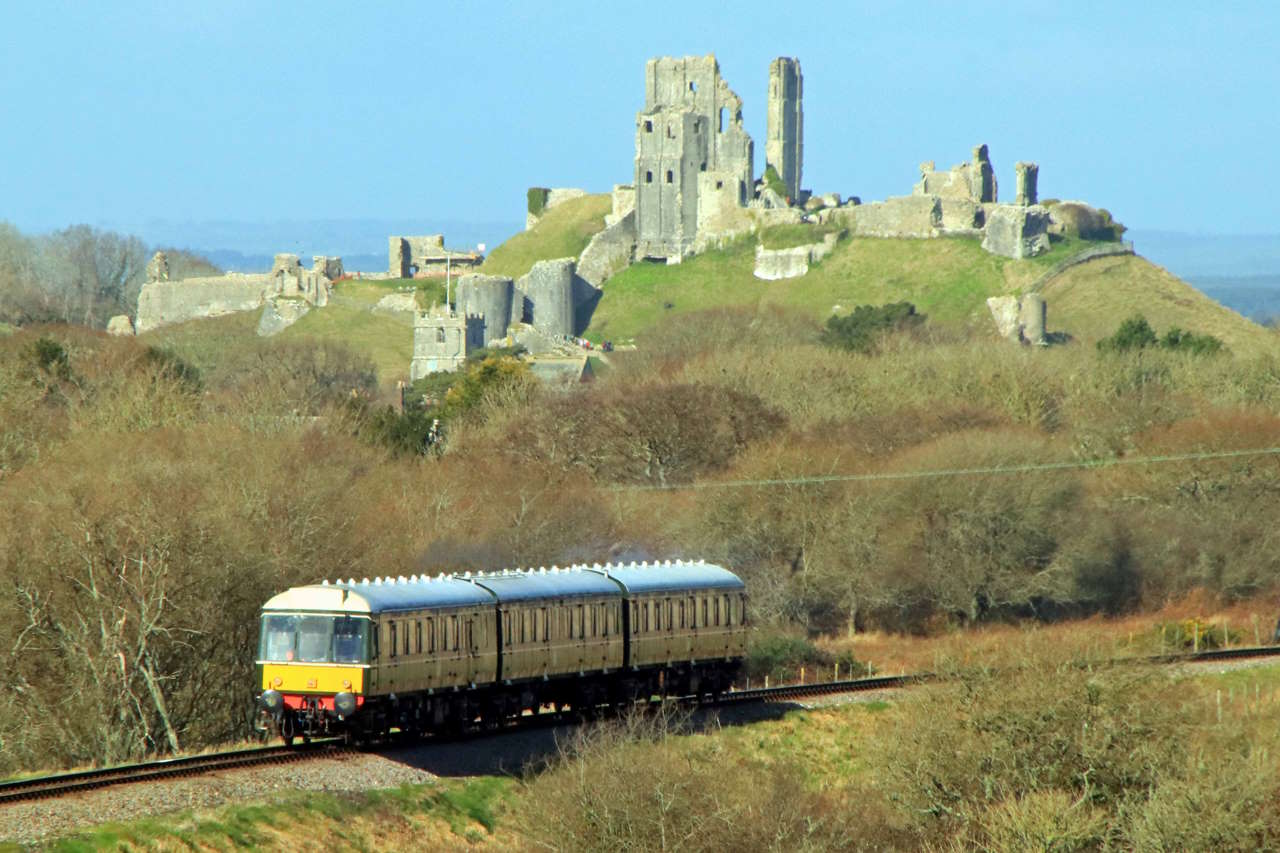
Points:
x=784 y=143
x=691 y=151
x=426 y=257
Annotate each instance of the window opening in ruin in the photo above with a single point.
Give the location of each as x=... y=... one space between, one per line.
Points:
x=439 y=336
x=413 y=270
x=703 y=167
x=648 y=177
x=719 y=185
x=670 y=176
x=697 y=125
x=720 y=129
x=648 y=127
x=693 y=87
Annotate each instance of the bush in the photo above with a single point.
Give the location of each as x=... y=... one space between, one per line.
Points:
x=1192 y=634
x=861 y=330
x=537 y=200
x=773 y=181
x=1136 y=333
x=781 y=656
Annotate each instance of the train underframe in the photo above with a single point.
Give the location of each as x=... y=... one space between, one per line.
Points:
x=456 y=710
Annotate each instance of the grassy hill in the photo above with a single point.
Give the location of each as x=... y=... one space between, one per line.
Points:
x=949 y=279
x=386 y=339
x=562 y=232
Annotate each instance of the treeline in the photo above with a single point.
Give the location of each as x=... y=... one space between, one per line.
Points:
x=80 y=275
x=151 y=499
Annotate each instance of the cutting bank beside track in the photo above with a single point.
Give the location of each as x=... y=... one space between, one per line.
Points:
x=66 y=783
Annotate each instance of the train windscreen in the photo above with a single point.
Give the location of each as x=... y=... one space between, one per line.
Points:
x=298 y=638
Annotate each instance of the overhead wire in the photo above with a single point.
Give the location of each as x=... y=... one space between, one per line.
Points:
x=1080 y=464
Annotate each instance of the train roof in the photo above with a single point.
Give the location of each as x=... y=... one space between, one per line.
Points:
x=555 y=582
x=382 y=595
x=670 y=576
x=423 y=592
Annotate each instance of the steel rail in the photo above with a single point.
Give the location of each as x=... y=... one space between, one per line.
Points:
x=40 y=787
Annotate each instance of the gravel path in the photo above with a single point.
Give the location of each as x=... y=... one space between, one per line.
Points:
x=37 y=820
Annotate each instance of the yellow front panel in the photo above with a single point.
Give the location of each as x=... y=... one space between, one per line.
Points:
x=312 y=678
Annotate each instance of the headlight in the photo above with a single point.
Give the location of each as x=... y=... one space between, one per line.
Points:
x=344 y=704
x=271 y=700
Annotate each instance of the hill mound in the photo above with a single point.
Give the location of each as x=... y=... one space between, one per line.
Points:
x=562 y=232
x=1090 y=300
x=949 y=279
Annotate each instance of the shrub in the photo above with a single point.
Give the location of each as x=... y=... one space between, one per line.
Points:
x=780 y=657
x=773 y=181
x=537 y=200
x=863 y=328
x=1182 y=341
x=1136 y=333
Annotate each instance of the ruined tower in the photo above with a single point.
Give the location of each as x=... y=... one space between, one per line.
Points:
x=1026 y=189
x=784 y=142
x=689 y=138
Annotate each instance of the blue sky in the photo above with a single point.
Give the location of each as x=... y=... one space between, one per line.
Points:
x=126 y=112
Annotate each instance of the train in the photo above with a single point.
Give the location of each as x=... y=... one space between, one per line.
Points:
x=447 y=652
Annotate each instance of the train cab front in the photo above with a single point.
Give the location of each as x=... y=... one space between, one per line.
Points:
x=314 y=668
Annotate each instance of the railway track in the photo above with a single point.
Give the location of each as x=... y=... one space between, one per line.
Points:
x=42 y=787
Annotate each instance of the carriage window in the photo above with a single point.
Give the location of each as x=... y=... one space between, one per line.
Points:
x=595 y=621
x=693 y=612
x=717 y=610
x=743 y=599
x=582 y=623
x=406 y=638
x=546 y=637
x=657 y=615
x=705 y=614
x=572 y=623
x=524 y=626
x=431 y=634
x=670 y=623
x=418 y=626
x=506 y=623
x=470 y=636
x=648 y=606
x=391 y=628
x=635 y=617
x=681 y=610
x=454 y=633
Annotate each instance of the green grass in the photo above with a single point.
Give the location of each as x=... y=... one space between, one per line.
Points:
x=562 y=232
x=469 y=807
x=948 y=279
x=387 y=339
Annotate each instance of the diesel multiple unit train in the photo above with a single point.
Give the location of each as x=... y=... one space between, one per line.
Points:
x=446 y=652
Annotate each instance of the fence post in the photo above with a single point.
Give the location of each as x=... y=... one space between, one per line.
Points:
x=837 y=678
x=1195 y=636
x=766 y=682
x=802 y=675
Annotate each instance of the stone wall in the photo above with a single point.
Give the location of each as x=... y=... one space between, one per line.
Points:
x=915 y=216
x=427 y=257
x=1016 y=231
x=610 y=251
x=624 y=201
x=777 y=264
x=161 y=303
x=1020 y=319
